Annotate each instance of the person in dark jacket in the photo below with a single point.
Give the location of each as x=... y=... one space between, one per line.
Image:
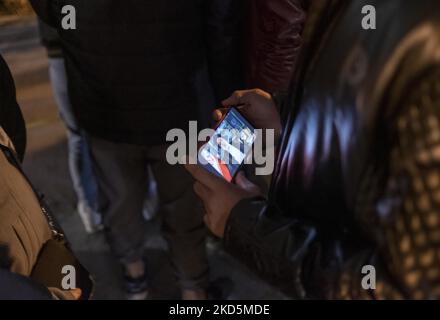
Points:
x=354 y=207
x=137 y=69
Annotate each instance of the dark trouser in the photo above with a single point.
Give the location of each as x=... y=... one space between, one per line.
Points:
x=122 y=173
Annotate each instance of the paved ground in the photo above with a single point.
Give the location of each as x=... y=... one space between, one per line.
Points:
x=46 y=164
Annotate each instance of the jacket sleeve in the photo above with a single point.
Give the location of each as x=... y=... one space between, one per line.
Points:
x=48 y=11
x=403 y=224
x=223 y=34
x=272 y=246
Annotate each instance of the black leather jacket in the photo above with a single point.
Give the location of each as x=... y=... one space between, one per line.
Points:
x=357 y=180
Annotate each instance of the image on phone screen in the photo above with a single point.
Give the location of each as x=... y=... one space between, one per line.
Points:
x=228 y=148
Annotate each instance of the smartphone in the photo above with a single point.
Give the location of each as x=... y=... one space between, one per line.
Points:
x=229 y=146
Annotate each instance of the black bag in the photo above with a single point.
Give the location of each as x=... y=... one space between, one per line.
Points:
x=51 y=260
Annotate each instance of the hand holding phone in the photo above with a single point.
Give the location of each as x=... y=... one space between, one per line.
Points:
x=257 y=106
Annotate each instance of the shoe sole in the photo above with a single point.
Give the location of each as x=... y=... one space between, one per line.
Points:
x=137 y=296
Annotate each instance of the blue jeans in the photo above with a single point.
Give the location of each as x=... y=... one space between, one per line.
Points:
x=80 y=164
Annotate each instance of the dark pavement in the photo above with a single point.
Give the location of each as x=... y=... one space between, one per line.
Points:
x=46 y=164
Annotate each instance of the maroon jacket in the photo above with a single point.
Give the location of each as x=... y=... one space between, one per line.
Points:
x=273 y=42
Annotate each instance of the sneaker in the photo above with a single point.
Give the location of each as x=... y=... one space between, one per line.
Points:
x=90 y=219
x=136 y=288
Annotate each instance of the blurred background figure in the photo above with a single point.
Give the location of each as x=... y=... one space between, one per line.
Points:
x=135 y=71
x=80 y=164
